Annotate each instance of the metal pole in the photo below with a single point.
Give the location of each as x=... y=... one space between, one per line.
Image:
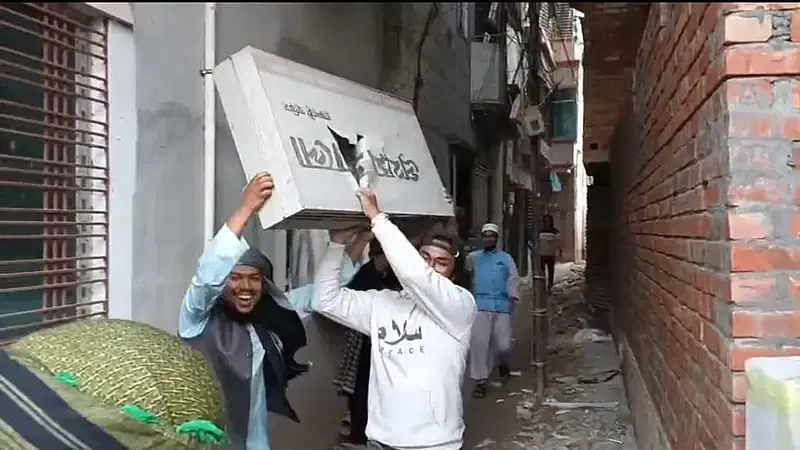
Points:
x=540 y=300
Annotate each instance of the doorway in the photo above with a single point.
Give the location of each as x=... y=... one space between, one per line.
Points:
x=463 y=163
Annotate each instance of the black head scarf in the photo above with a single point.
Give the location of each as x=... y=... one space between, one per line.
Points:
x=272 y=313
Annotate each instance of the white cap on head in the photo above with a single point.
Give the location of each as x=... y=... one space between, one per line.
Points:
x=490 y=228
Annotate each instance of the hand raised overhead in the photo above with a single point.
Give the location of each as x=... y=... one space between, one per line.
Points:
x=369 y=202
x=257 y=192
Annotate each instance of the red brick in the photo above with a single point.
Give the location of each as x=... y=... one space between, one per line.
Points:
x=761 y=60
x=747 y=29
x=754 y=6
x=754 y=125
x=739 y=387
x=759 y=324
x=795 y=224
x=740 y=353
x=753 y=155
x=748 y=91
x=794 y=290
x=753 y=225
x=794 y=95
x=762 y=190
x=796 y=26
x=746 y=289
x=791 y=127
x=746 y=258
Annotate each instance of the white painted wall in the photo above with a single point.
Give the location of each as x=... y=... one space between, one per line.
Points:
x=122 y=167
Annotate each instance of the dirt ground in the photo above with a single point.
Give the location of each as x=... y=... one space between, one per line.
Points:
x=584 y=407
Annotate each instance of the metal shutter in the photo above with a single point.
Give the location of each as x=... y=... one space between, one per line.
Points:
x=53 y=166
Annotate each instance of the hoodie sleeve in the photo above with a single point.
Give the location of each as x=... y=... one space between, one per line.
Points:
x=352 y=309
x=450 y=306
x=217 y=261
x=302 y=298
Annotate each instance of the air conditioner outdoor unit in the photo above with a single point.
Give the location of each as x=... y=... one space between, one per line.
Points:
x=530 y=122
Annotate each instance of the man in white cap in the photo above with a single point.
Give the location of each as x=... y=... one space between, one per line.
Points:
x=494 y=282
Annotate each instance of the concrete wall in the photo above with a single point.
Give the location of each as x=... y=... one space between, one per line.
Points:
x=370 y=43
x=444 y=109
x=705 y=200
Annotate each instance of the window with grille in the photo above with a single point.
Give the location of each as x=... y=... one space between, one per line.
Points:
x=565 y=21
x=565 y=115
x=53 y=171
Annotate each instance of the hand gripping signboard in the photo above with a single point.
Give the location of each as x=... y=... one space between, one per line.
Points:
x=321 y=136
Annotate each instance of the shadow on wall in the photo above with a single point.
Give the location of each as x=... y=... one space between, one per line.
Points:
x=298 y=52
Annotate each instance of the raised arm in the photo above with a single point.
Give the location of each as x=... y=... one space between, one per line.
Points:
x=452 y=307
x=302 y=298
x=352 y=309
x=219 y=258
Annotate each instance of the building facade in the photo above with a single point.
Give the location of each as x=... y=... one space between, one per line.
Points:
x=117 y=165
x=567 y=203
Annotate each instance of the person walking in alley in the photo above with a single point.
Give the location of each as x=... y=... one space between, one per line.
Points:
x=495 y=282
x=549 y=246
x=244 y=325
x=420 y=334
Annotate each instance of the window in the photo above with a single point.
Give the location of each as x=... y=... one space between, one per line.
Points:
x=53 y=174
x=485 y=22
x=565 y=115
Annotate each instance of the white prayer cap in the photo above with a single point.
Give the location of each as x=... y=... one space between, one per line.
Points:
x=490 y=228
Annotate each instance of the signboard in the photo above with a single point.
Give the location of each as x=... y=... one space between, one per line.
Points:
x=281 y=115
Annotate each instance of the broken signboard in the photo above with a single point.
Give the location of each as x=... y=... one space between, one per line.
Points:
x=321 y=136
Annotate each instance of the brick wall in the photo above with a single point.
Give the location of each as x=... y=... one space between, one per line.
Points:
x=604 y=94
x=706 y=189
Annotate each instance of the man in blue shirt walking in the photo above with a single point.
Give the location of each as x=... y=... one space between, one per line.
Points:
x=494 y=282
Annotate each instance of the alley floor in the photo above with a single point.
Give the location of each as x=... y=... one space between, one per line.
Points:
x=585 y=406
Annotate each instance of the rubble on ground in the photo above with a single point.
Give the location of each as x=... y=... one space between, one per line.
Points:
x=585 y=405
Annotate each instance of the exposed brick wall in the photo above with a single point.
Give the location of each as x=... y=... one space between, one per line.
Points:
x=605 y=94
x=706 y=189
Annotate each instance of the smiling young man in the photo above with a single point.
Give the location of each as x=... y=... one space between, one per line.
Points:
x=420 y=335
x=244 y=325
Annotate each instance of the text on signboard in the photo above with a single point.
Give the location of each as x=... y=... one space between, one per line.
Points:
x=307 y=111
x=320 y=155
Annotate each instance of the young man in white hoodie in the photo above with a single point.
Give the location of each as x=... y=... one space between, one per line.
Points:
x=420 y=335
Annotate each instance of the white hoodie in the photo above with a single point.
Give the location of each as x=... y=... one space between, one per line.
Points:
x=420 y=338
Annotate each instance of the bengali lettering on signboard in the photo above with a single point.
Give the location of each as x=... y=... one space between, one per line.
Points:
x=321 y=155
x=307 y=111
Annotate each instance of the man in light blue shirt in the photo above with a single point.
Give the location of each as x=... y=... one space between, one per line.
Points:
x=245 y=326
x=494 y=282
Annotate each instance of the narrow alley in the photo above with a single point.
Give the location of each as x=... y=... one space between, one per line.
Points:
x=585 y=406
x=662 y=139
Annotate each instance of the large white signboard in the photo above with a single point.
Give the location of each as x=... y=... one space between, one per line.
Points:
x=280 y=114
